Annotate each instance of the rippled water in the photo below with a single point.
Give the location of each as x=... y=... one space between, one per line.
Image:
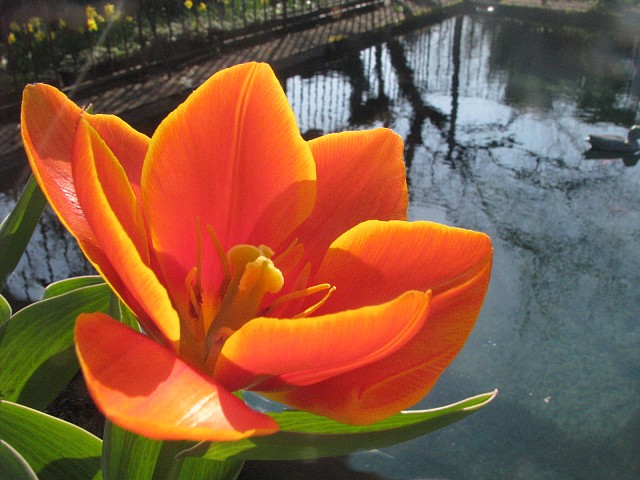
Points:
x=494 y=113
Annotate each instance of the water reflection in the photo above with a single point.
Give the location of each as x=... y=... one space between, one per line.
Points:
x=494 y=114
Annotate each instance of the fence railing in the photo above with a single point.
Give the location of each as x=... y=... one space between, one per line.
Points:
x=111 y=40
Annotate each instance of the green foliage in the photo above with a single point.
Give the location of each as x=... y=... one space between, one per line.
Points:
x=67 y=285
x=5 y=310
x=12 y=465
x=306 y=436
x=53 y=448
x=127 y=455
x=17 y=228
x=36 y=345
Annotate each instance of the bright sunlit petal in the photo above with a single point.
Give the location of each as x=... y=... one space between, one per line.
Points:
x=361 y=176
x=143 y=387
x=113 y=212
x=374 y=262
x=270 y=353
x=231 y=158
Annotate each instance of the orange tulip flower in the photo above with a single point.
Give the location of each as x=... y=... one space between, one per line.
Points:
x=252 y=260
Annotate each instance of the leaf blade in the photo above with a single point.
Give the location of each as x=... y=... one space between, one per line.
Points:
x=37 y=349
x=305 y=436
x=69 y=284
x=13 y=465
x=5 y=310
x=17 y=228
x=54 y=449
x=127 y=455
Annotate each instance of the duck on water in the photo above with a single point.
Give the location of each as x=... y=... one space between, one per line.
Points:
x=614 y=143
x=613 y=146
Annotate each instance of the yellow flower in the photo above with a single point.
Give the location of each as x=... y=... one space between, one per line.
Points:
x=109 y=10
x=92 y=26
x=11 y=38
x=188 y=4
x=202 y=7
x=90 y=12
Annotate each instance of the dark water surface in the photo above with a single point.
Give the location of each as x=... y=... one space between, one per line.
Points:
x=494 y=114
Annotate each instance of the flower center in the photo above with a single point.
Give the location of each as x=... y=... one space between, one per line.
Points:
x=253 y=276
x=249 y=274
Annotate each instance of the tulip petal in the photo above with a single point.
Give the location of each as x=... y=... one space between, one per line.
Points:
x=361 y=176
x=374 y=261
x=377 y=261
x=48 y=125
x=230 y=157
x=113 y=212
x=127 y=144
x=143 y=387
x=271 y=353
x=49 y=122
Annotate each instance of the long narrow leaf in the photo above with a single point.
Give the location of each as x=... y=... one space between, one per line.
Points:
x=68 y=284
x=55 y=449
x=37 y=358
x=17 y=228
x=127 y=455
x=199 y=468
x=306 y=436
x=12 y=465
x=5 y=310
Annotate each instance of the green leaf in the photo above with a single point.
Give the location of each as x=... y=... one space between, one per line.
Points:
x=12 y=465
x=55 y=449
x=127 y=455
x=199 y=468
x=119 y=311
x=5 y=309
x=306 y=436
x=67 y=285
x=36 y=346
x=17 y=228
x=128 y=318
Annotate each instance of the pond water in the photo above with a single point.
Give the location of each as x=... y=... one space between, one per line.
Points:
x=494 y=113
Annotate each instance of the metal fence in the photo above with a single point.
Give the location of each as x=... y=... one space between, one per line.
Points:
x=102 y=42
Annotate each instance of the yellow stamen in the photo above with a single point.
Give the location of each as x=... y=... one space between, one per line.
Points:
x=222 y=257
x=298 y=294
x=316 y=306
x=253 y=276
x=286 y=252
x=290 y=257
